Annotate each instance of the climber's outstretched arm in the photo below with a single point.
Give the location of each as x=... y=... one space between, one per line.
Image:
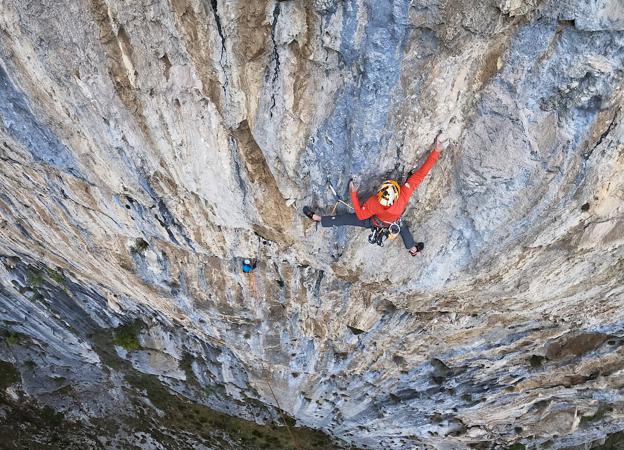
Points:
x=362 y=212
x=417 y=177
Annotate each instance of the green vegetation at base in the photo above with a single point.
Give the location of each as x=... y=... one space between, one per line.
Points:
x=184 y=423
x=517 y=446
x=37 y=278
x=186 y=364
x=615 y=441
x=183 y=417
x=8 y=375
x=31 y=426
x=51 y=417
x=182 y=414
x=56 y=276
x=34 y=278
x=12 y=338
x=34 y=282
x=126 y=336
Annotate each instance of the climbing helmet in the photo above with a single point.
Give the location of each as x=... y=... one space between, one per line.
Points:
x=388 y=192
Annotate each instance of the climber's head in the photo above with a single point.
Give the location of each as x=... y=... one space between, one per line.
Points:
x=388 y=193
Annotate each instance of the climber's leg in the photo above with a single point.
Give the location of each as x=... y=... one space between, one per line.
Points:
x=345 y=220
x=337 y=220
x=406 y=235
x=408 y=241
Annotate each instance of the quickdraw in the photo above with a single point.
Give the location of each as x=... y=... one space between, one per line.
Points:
x=382 y=231
x=338 y=197
x=378 y=236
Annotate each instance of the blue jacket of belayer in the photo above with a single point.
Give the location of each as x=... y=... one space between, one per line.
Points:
x=248 y=265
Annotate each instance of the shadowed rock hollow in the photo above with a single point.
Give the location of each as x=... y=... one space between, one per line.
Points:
x=147 y=146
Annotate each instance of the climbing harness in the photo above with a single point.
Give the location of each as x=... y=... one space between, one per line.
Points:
x=378 y=235
x=382 y=231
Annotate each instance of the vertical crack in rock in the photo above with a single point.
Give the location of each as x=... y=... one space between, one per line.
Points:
x=222 y=59
x=269 y=201
x=215 y=13
x=169 y=220
x=276 y=57
x=604 y=134
x=127 y=55
x=196 y=31
x=317 y=285
x=234 y=148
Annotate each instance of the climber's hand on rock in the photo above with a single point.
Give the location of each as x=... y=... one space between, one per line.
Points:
x=352 y=186
x=440 y=143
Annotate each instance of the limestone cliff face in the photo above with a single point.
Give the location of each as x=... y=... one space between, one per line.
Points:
x=146 y=146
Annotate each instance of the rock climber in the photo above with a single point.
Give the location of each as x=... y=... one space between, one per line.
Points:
x=384 y=210
x=249 y=264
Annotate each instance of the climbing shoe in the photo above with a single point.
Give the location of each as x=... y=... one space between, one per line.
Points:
x=308 y=212
x=419 y=248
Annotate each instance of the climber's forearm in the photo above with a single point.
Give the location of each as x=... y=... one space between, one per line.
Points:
x=418 y=176
x=361 y=213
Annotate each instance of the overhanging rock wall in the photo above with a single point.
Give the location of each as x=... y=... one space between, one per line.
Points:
x=146 y=146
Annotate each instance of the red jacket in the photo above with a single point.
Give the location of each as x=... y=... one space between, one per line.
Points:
x=392 y=213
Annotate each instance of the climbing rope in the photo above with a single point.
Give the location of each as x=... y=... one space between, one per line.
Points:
x=279 y=408
x=338 y=198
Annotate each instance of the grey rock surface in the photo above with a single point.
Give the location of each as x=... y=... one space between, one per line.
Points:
x=147 y=146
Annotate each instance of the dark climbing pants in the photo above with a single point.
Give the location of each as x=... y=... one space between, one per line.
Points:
x=352 y=220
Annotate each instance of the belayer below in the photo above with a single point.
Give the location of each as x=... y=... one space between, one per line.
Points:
x=382 y=212
x=249 y=264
